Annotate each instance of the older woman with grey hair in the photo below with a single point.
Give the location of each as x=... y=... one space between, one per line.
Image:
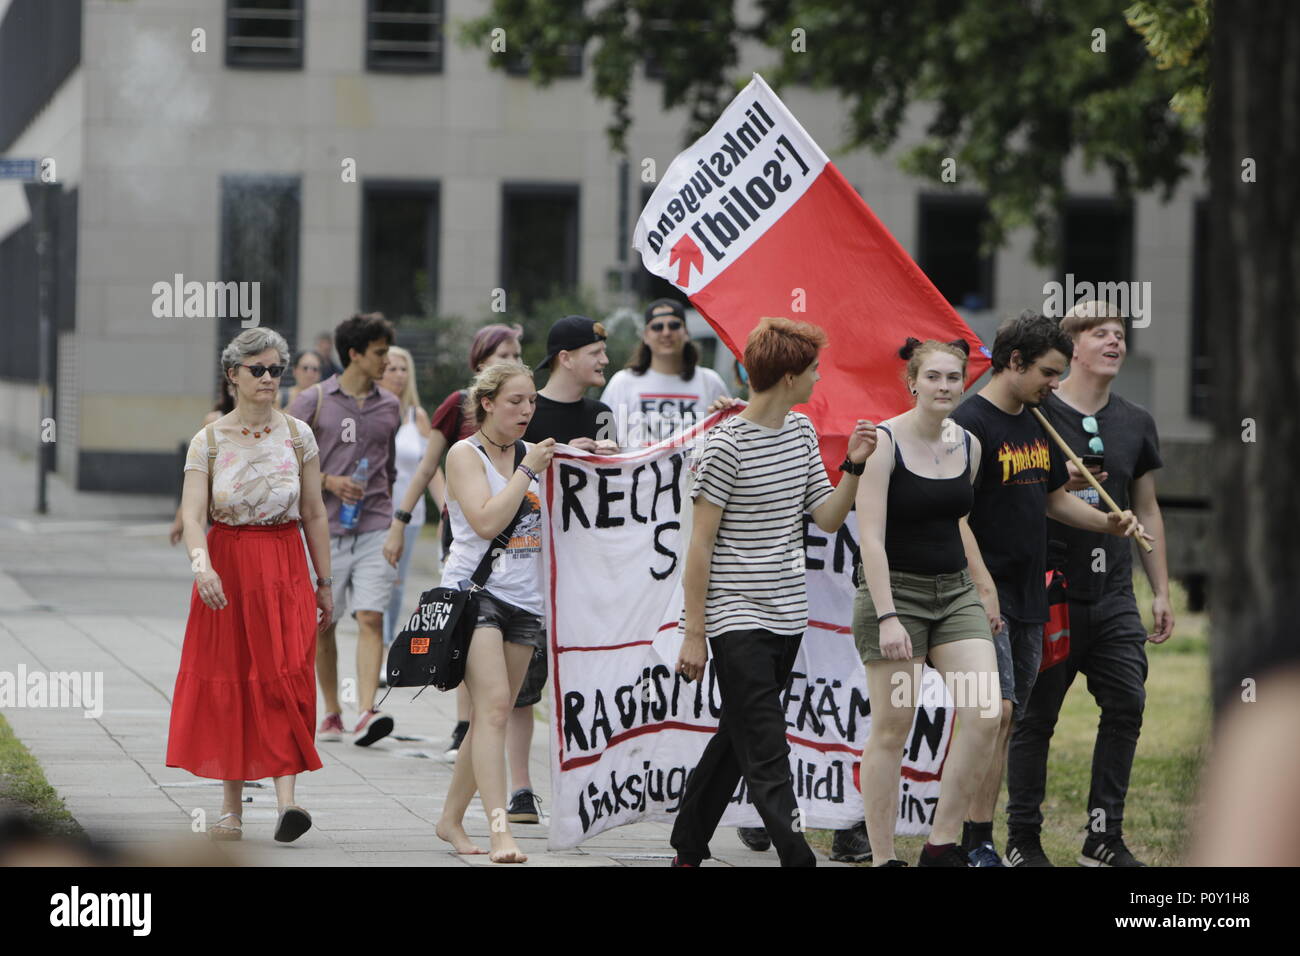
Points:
x=244 y=706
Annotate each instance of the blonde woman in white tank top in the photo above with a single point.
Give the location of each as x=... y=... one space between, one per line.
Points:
x=502 y=400
x=411 y=439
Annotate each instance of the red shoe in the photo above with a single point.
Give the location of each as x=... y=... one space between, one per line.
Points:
x=372 y=726
x=331 y=728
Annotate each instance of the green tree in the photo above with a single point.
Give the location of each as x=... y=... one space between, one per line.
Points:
x=1009 y=89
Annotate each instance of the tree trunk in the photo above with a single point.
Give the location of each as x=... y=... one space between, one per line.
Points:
x=1253 y=321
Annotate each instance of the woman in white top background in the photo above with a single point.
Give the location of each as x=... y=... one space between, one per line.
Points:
x=663 y=389
x=411 y=441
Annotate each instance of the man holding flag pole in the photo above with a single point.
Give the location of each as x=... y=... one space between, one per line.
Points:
x=1021 y=483
x=1107 y=638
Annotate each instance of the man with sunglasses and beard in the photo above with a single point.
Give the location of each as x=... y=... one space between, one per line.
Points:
x=353 y=418
x=1117 y=441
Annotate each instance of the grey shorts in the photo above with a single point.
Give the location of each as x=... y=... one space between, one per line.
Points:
x=363 y=579
x=1019 y=649
x=530 y=692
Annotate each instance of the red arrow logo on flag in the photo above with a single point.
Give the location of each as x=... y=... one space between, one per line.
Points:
x=689 y=254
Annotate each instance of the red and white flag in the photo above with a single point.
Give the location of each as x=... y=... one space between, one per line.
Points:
x=755 y=220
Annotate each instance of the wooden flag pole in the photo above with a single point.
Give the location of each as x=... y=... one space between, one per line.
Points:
x=1110 y=502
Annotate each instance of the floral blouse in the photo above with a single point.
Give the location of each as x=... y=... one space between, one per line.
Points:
x=256 y=482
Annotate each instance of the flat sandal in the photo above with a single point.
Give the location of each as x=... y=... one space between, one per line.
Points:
x=294 y=822
x=224 y=831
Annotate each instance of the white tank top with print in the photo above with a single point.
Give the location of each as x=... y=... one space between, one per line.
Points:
x=517 y=577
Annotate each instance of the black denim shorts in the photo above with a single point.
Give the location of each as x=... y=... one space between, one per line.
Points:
x=515 y=624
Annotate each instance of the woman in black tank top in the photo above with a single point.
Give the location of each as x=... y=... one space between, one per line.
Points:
x=917 y=599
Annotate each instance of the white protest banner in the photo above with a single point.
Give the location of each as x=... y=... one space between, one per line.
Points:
x=626 y=731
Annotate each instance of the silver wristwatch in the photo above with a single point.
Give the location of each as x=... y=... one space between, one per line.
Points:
x=324 y=582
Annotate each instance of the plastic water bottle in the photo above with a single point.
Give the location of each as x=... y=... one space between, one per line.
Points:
x=348 y=514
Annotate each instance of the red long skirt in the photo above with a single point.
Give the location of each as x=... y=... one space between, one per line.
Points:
x=244 y=707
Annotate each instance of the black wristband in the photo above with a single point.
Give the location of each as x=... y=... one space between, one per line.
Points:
x=848 y=467
x=885 y=617
x=402 y=516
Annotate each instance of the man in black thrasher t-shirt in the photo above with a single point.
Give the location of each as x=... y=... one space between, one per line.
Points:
x=1020 y=483
x=1107 y=638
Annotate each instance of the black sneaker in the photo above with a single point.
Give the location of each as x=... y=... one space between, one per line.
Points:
x=893 y=863
x=457 y=738
x=1025 y=849
x=524 y=807
x=1103 y=850
x=851 y=845
x=951 y=856
x=755 y=838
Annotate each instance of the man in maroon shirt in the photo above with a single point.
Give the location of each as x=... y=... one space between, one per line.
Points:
x=353 y=418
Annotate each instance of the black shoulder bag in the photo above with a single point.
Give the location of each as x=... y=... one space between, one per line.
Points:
x=434 y=645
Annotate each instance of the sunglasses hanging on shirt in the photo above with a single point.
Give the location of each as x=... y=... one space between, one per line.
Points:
x=1095 y=444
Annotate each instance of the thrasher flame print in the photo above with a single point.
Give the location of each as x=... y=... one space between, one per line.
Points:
x=1016 y=459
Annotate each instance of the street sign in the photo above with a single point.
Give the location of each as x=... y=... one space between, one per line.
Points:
x=25 y=169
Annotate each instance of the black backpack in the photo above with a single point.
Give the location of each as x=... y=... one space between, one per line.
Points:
x=434 y=645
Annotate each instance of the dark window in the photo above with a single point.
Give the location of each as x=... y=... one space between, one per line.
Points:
x=1199 y=397
x=399 y=254
x=19 y=359
x=1097 y=245
x=265 y=34
x=404 y=35
x=654 y=68
x=40 y=44
x=539 y=242
x=259 y=243
x=948 y=240
x=646 y=284
x=20 y=291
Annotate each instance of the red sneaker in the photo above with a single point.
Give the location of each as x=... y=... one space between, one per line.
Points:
x=372 y=726
x=331 y=728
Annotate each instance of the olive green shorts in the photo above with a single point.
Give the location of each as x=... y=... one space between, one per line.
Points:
x=933 y=608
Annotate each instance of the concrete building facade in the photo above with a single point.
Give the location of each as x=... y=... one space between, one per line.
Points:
x=347 y=157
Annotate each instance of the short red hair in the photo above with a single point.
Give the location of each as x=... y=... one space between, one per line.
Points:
x=777 y=346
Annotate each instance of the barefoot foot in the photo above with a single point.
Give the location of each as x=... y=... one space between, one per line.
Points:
x=508 y=852
x=455 y=835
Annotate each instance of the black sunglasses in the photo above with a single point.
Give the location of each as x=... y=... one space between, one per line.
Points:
x=672 y=325
x=260 y=370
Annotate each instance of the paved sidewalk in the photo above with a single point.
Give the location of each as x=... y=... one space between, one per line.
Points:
x=95 y=587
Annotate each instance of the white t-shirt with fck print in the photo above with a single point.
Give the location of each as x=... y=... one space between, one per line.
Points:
x=653 y=406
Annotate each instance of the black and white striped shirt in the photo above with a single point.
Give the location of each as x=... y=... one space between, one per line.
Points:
x=764 y=479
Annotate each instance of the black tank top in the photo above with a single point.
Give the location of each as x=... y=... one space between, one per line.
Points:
x=921 y=533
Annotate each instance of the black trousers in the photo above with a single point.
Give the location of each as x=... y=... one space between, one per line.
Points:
x=1108 y=645
x=752 y=668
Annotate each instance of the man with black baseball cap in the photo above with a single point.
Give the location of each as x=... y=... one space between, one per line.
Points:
x=575 y=355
